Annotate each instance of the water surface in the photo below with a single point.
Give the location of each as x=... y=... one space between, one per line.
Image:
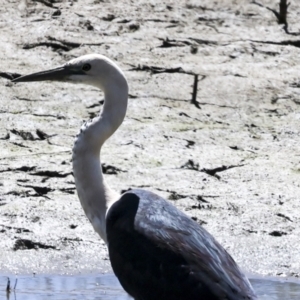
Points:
x=106 y=286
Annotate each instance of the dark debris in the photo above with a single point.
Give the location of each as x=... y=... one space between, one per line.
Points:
x=110 y=170
x=277 y=233
x=24 y=244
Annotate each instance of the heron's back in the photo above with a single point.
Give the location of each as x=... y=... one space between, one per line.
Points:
x=158 y=253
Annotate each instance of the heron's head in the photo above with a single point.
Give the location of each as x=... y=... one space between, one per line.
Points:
x=93 y=69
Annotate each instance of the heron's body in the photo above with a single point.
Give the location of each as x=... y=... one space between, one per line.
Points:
x=156 y=251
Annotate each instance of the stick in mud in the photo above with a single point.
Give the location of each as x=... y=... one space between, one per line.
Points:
x=9 y=289
x=194 y=94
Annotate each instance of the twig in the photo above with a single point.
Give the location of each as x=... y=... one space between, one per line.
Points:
x=159 y=70
x=283 y=7
x=281 y=15
x=195 y=90
x=9 y=289
x=16 y=283
x=8 y=286
x=47 y=3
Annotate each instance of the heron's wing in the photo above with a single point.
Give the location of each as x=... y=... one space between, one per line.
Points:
x=155 y=233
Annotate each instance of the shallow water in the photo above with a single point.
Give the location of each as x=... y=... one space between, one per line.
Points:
x=106 y=286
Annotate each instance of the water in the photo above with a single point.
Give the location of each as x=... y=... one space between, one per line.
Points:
x=107 y=287
x=275 y=289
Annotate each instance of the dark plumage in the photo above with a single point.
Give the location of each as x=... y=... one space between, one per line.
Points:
x=159 y=253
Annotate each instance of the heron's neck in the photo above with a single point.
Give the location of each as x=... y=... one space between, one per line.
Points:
x=94 y=194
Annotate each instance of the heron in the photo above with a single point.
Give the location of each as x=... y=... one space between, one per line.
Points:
x=156 y=251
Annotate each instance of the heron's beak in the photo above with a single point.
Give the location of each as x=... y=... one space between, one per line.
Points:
x=57 y=74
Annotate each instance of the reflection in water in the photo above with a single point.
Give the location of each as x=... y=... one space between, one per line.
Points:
x=275 y=289
x=107 y=287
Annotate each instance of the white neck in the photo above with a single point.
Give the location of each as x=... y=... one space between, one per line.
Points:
x=94 y=194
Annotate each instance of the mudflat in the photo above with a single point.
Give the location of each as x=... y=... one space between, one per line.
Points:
x=230 y=159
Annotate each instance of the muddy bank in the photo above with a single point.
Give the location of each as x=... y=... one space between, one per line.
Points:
x=230 y=161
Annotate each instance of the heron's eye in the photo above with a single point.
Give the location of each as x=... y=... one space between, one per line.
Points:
x=86 y=67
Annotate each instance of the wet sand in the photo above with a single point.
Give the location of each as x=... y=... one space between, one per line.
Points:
x=230 y=161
